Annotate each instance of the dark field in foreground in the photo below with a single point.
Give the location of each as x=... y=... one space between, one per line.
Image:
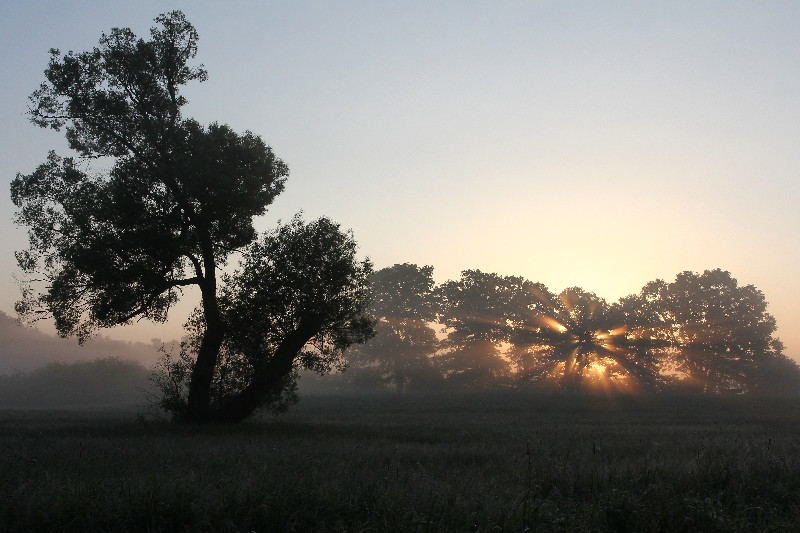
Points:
x=435 y=463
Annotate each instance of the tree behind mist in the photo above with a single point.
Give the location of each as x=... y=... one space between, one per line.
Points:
x=106 y=382
x=24 y=349
x=404 y=305
x=576 y=341
x=476 y=310
x=720 y=332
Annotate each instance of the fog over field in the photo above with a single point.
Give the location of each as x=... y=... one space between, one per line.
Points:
x=24 y=349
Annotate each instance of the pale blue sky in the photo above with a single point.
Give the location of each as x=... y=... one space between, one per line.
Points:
x=597 y=144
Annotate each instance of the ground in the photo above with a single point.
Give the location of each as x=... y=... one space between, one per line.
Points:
x=496 y=462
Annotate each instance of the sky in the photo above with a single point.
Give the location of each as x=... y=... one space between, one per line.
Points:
x=592 y=144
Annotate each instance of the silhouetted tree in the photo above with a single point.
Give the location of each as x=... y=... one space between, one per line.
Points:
x=720 y=332
x=404 y=304
x=179 y=198
x=476 y=311
x=297 y=302
x=576 y=339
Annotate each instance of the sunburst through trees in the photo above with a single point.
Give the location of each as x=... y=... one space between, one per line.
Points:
x=576 y=340
x=701 y=332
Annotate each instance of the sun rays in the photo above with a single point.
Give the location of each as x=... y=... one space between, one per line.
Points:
x=701 y=332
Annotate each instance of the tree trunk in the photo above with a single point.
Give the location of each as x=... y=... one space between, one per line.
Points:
x=198 y=408
x=268 y=377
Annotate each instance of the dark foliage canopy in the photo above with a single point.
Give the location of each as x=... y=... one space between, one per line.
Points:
x=297 y=302
x=719 y=333
x=476 y=310
x=178 y=198
x=301 y=282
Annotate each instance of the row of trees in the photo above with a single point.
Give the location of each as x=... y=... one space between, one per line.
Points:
x=702 y=332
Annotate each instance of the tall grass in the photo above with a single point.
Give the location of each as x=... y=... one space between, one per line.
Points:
x=434 y=463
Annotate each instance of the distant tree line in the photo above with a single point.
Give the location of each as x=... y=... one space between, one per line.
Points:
x=701 y=332
x=105 y=382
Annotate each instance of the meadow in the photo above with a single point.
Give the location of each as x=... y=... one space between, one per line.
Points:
x=467 y=462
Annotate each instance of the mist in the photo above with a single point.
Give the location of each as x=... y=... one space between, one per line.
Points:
x=108 y=383
x=25 y=348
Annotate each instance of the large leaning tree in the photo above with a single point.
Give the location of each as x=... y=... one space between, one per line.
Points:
x=111 y=246
x=298 y=300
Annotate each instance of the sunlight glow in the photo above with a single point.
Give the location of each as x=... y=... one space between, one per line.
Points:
x=552 y=323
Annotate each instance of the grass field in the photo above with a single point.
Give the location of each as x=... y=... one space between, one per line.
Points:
x=435 y=463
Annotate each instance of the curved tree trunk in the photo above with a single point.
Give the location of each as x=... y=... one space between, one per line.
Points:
x=198 y=408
